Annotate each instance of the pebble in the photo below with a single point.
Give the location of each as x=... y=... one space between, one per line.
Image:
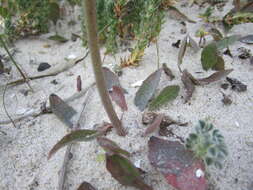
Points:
x=43 y=66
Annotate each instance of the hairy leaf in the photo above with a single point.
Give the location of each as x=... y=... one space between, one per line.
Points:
x=169 y=93
x=86 y=186
x=155 y=125
x=209 y=56
x=147 y=90
x=118 y=97
x=178 y=165
x=125 y=172
x=75 y=136
x=111 y=147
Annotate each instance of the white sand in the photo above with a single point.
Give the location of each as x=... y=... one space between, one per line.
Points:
x=23 y=151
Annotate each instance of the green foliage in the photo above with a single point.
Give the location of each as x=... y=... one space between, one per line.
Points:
x=208 y=144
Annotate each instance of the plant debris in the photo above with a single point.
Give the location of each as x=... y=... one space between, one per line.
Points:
x=79 y=83
x=176 y=44
x=147 y=90
x=178 y=165
x=58 y=38
x=167 y=71
x=244 y=53
x=154 y=125
x=86 y=186
x=117 y=95
x=169 y=93
x=178 y=15
x=125 y=172
x=188 y=84
x=236 y=85
x=226 y=99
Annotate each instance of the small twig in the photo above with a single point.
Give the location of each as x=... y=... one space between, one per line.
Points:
x=5 y=109
x=39 y=112
x=62 y=175
x=14 y=62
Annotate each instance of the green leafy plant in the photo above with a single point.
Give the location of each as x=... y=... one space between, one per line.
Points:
x=208 y=144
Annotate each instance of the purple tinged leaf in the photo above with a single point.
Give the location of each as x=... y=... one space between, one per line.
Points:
x=178 y=165
x=118 y=97
x=111 y=147
x=86 y=186
x=147 y=90
x=111 y=79
x=188 y=84
x=125 y=172
x=75 y=136
x=155 y=125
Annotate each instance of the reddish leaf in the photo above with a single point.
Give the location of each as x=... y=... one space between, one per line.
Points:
x=118 y=97
x=79 y=83
x=111 y=147
x=188 y=84
x=111 y=79
x=86 y=186
x=125 y=172
x=178 y=165
x=155 y=125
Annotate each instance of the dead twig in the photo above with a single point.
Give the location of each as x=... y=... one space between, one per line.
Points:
x=67 y=157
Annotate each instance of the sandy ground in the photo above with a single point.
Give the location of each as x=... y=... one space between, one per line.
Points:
x=23 y=150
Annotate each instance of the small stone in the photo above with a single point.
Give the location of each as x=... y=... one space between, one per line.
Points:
x=43 y=66
x=54 y=82
x=224 y=86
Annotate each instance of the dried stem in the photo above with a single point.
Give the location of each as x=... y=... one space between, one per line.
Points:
x=89 y=8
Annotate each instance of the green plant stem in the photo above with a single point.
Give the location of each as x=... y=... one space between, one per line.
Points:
x=89 y=8
x=14 y=62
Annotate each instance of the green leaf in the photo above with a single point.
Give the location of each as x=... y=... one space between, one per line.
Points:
x=227 y=41
x=169 y=93
x=58 y=38
x=209 y=56
x=147 y=90
x=3 y=12
x=54 y=12
x=75 y=136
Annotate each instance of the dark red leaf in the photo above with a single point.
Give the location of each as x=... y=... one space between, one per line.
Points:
x=86 y=186
x=178 y=165
x=118 y=97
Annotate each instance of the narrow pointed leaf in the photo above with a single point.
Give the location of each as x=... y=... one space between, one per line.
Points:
x=147 y=90
x=227 y=41
x=86 y=186
x=188 y=84
x=167 y=71
x=58 y=38
x=178 y=15
x=75 y=136
x=111 y=79
x=111 y=147
x=179 y=166
x=125 y=172
x=117 y=95
x=155 y=124
x=215 y=77
x=182 y=52
x=209 y=56
x=169 y=93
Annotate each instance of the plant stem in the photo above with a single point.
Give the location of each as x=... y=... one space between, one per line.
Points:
x=89 y=8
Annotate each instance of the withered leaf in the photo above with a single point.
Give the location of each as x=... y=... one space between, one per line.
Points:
x=177 y=164
x=168 y=72
x=86 y=186
x=216 y=34
x=111 y=79
x=214 y=77
x=247 y=39
x=169 y=93
x=118 y=97
x=111 y=147
x=182 y=52
x=147 y=90
x=188 y=84
x=178 y=15
x=155 y=124
x=62 y=110
x=209 y=56
x=125 y=172
x=79 y=83
x=237 y=85
x=74 y=136
x=58 y=38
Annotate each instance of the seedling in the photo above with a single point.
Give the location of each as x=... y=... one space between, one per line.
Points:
x=208 y=144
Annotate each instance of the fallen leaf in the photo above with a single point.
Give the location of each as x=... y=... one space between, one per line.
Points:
x=182 y=52
x=125 y=172
x=220 y=65
x=247 y=39
x=227 y=41
x=79 y=83
x=62 y=110
x=58 y=38
x=74 y=136
x=214 y=77
x=188 y=84
x=111 y=147
x=237 y=85
x=86 y=186
x=118 y=97
x=155 y=125
x=147 y=90
x=178 y=165
x=168 y=72
x=111 y=79
x=169 y=93
x=178 y=15
x=209 y=56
